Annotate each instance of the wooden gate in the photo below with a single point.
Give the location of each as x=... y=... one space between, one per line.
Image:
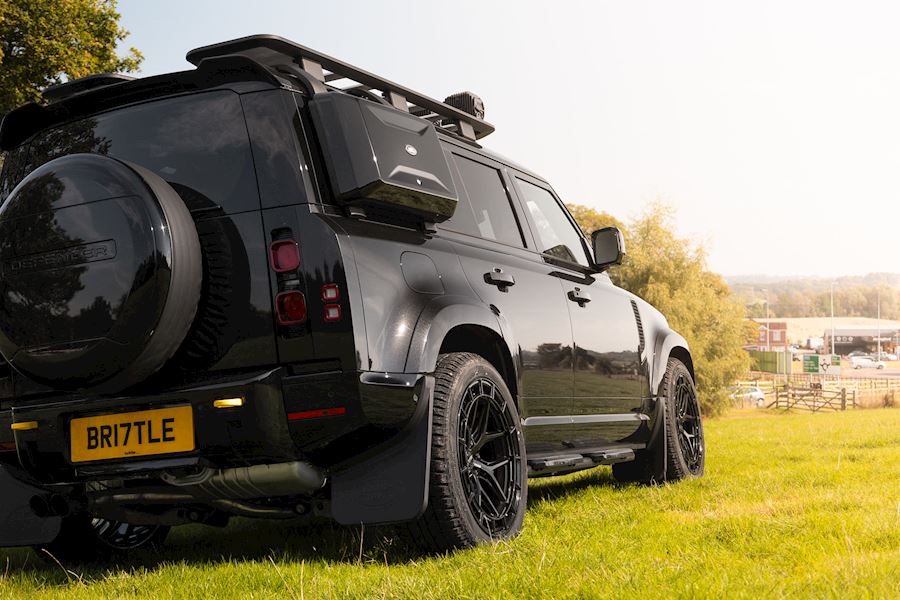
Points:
x=813 y=398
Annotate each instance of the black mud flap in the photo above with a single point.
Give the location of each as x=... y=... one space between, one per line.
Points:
x=391 y=486
x=19 y=526
x=658 y=448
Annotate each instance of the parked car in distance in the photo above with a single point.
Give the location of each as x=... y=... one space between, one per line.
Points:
x=856 y=353
x=885 y=356
x=866 y=362
x=747 y=394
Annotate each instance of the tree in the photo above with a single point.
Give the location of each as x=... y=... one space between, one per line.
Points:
x=44 y=41
x=590 y=220
x=670 y=273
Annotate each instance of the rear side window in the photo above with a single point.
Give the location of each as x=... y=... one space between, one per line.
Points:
x=197 y=143
x=558 y=236
x=488 y=213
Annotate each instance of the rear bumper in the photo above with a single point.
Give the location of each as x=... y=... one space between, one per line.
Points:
x=375 y=453
x=330 y=419
x=256 y=432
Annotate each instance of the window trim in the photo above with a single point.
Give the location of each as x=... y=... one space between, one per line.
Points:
x=511 y=196
x=518 y=175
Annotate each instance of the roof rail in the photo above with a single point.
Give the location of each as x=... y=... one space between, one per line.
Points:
x=273 y=51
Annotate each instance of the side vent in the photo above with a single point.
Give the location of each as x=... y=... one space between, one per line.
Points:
x=640 y=326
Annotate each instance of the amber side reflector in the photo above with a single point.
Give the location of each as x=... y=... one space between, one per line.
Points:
x=24 y=426
x=315 y=414
x=228 y=403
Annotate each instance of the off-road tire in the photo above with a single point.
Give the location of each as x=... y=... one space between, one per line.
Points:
x=678 y=463
x=449 y=522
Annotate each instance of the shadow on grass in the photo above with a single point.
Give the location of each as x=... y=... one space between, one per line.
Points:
x=318 y=541
x=243 y=540
x=558 y=488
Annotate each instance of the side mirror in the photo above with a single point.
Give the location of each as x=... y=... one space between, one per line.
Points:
x=609 y=247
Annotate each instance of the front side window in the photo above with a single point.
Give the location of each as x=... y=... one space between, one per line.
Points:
x=488 y=213
x=558 y=237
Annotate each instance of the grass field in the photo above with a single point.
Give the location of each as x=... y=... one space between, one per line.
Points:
x=792 y=505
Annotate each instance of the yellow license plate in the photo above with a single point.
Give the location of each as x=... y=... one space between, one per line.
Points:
x=123 y=435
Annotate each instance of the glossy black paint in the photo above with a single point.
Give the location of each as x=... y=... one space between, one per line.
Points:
x=254 y=433
x=565 y=339
x=381 y=158
x=83 y=245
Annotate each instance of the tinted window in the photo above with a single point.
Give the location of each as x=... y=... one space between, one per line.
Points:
x=488 y=213
x=12 y=171
x=197 y=143
x=558 y=237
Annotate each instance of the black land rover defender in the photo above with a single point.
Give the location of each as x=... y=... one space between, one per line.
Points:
x=279 y=285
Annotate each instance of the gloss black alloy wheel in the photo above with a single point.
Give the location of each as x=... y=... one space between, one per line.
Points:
x=687 y=423
x=685 y=447
x=489 y=457
x=121 y=536
x=477 y=488
x=85 y=539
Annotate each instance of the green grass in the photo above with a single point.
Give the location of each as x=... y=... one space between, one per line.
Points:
x=792 y=505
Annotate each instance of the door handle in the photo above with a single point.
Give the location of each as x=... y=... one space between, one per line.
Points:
x=500 y=279
x=579 y=296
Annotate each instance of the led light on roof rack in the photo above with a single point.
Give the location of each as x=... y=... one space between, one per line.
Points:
x=468 y=103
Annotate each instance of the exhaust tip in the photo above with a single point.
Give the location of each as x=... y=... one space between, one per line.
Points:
x=59 y=506
x=40 y=506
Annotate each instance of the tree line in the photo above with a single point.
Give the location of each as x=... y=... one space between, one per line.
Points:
x=805 y=298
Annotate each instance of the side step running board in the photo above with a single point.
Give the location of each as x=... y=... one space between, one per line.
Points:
x=571 y=462
x=608 y=457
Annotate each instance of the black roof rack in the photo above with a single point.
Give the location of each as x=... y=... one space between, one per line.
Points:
x=273 y=51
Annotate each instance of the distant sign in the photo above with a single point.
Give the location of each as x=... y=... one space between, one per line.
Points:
x=822 y=363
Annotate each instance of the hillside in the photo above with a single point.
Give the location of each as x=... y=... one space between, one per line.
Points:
x=858 y=296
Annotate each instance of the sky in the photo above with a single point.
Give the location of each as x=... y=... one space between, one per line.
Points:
x=772 y=128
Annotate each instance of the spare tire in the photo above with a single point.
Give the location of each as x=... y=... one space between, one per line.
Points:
x=100 y=274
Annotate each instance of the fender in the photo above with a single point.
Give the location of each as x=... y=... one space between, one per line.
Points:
x=443 y=314
x=666 y=341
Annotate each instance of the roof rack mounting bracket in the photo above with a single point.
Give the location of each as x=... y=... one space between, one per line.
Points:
x=312 y=67
x=398 y=101
x=465 y=129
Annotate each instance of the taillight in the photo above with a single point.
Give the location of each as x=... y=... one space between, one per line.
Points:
x=290 y=308
x=285 y=255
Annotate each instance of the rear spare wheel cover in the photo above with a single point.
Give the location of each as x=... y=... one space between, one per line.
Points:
x=100 y=273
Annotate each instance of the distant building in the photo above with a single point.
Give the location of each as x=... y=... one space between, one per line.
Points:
x=864 y=339
x=772 y=336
